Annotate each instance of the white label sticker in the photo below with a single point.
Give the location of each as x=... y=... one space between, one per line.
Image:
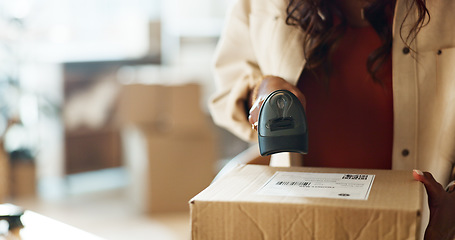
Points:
x=319 y=185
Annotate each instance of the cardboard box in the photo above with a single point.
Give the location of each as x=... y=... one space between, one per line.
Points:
x=168 y=143
x=161 y=105
x=23 y=178
x=4 y=173
x=237 y=206
x=167 y=169
x=92 y=149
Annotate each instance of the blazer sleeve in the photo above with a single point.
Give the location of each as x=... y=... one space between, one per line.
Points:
x=236 y=71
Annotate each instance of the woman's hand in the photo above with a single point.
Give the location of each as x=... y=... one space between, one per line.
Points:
x=442 y=208
x=267 y=86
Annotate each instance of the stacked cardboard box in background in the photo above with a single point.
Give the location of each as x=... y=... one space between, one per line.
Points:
x=4 y=173
x=168 y=144
x=23 y=178
x=232 y=208
x=92 y=149
x=17 y=175
x=91 y=136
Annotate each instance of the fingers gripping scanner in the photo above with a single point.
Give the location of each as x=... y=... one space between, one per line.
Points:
x=282 y=125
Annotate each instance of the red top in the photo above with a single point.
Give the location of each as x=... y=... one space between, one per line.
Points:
x=350 y=123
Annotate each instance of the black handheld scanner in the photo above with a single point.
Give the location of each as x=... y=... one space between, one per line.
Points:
x=282 y=125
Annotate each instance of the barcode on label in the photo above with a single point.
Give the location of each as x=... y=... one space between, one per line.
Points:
x=300 y=184
x=355 y=176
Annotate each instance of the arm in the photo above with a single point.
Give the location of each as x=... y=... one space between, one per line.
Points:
x=239 y=79
x=236 y=73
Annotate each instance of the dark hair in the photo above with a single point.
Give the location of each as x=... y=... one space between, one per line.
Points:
x=316 y=18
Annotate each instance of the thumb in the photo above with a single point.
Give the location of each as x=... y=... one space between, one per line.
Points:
x=431 y=185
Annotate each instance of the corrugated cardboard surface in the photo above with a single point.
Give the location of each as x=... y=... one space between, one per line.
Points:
x=230 y=209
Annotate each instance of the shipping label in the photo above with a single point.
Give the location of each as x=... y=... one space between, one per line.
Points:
x=319 y=185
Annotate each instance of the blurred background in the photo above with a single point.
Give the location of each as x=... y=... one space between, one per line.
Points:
x=103 y=112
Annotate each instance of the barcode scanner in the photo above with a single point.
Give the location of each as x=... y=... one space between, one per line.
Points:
x=282 y=125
